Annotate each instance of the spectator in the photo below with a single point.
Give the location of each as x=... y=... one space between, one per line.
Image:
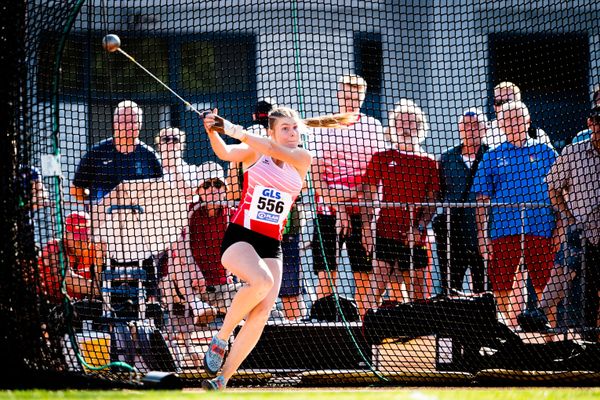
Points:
x=261 y=118
x=587 y=133
x=574 y=190
x=76 y=257
x=404 y=174
x=32 y=195
x=32 y=192
x=341 y=156
x=290 y=292
x=458 y=166
x=171 y=143
x=211 y=211
x=506 y=92
x=514 y=173
x=114 y=160
x=195 y=271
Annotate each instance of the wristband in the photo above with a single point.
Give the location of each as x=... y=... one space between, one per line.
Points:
x=235 y=131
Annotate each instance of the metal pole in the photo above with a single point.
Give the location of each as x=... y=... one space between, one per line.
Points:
x=448 y=250
x=411 y=246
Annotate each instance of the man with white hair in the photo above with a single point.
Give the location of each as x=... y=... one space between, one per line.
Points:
x=458 y=166
x=515 y=172
x=122 y=157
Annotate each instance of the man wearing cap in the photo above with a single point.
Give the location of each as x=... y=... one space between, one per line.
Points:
x=195 y=271
x=458 y=166
x=574 y=190
x=75 y=256
x=122 y=157
x=587 y=133
x=506 y=92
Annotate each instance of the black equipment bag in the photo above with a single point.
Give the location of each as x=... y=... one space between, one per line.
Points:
x=455 y=316
x=325 y=309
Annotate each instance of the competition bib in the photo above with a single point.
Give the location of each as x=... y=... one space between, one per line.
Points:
x=269 y=205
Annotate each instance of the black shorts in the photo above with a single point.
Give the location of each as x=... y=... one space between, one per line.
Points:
x=359 y=259
x=392 y=251
x=264 y=246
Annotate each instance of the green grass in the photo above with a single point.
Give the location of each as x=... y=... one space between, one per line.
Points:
x=332 y=394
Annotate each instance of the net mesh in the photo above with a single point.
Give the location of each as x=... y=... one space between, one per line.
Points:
x=437 y=224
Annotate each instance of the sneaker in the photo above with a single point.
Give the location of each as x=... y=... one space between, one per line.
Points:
x=213 y=358
x=533 y=321
x=217 y=383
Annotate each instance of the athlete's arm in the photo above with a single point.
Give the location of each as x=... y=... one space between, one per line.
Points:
x=247 y=152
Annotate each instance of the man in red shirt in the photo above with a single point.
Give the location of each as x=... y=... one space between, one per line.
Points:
x=402 y=174
x=75 y=256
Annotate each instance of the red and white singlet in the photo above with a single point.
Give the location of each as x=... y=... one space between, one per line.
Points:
x=268 y=194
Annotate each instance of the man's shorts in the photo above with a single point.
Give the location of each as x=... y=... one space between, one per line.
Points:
x=506 y=254
x=290 y=282
x=359 y=259
x=264 y=246
x=392 y=251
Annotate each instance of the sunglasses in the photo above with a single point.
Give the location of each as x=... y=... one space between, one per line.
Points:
x=500 y=102
x=216 y=184
x=170 y=139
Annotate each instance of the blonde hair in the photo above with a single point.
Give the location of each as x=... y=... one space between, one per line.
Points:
x=324 y=121
x=511 y=86
x=409 y=107
x=170 y=131
x=131 y=105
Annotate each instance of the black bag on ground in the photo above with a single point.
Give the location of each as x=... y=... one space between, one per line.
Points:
x=460 y=316
x=326 y=309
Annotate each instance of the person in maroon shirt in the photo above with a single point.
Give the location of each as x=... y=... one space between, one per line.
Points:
x=402 y=174
x=196 y=276
x=208 y=221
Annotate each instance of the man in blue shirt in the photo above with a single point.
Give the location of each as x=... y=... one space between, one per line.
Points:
x=515 y=172
x=114 y=160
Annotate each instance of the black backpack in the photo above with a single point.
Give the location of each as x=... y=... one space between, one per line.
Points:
x=326 y=309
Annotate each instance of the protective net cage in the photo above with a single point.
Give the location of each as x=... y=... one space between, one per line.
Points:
x=434 y=193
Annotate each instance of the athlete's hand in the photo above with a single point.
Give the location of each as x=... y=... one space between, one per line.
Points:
x=208 y=118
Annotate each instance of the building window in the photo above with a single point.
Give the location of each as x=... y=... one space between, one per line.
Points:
x=369 y=64
x=216 y=66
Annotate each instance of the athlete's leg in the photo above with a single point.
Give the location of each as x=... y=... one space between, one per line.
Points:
x=242 y=260
x=255 y=322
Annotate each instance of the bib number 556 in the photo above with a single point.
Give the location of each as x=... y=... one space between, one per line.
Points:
x=270 y=205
